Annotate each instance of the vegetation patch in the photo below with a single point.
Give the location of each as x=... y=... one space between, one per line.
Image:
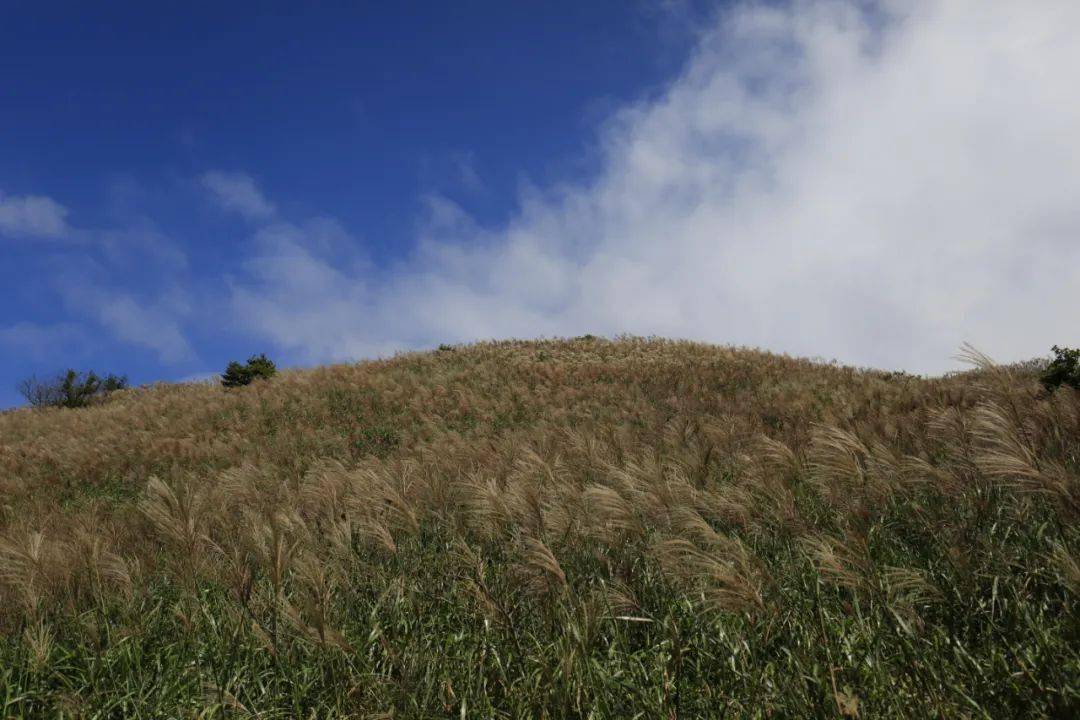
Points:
x=378 y=441
x=258 y=367
x=630 y=528
x=1064 y=369
x=70 y=389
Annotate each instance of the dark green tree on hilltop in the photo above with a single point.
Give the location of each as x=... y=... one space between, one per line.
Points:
x=1064 y=369
x=70 y=389
x=257 y=367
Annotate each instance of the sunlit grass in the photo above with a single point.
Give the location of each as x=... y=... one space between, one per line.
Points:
x=547 y=529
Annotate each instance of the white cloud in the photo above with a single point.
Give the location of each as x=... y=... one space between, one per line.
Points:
x=32 y=216
x=152 y=327
x=237 y=192
x=44 y=342
x=154 y=324
x=304 y=288
x=876 y=185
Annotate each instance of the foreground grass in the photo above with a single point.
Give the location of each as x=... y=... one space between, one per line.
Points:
x=560 y=529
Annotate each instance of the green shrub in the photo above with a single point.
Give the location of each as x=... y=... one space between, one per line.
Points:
x=1064 y=369
x=70 y=389
x=257 y=367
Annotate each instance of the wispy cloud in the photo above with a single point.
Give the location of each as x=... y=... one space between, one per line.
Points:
x=237 y=192
x=303 y=286
x=44 y=342
x=33 y=216
x=151 y=326
x=152 y=321
x=874 y=183
x=124 y=283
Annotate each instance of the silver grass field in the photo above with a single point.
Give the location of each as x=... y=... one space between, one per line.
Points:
x=584 y=528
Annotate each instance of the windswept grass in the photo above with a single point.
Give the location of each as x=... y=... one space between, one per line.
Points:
x=587 y=528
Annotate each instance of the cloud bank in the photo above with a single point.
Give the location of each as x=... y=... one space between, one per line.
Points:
x=872 y=184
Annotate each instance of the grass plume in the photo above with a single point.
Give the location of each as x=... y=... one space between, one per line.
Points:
x=565 y=528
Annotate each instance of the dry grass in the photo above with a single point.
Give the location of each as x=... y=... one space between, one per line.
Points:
x=577 y=528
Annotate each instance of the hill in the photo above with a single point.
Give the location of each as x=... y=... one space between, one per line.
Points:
x=581 y=528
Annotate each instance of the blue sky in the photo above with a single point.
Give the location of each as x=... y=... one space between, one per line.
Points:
x=350 y=111
x=183 y=185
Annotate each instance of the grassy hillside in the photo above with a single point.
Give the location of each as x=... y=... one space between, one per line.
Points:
x=547 y=529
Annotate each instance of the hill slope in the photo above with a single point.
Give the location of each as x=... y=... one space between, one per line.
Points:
x=567 y=529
